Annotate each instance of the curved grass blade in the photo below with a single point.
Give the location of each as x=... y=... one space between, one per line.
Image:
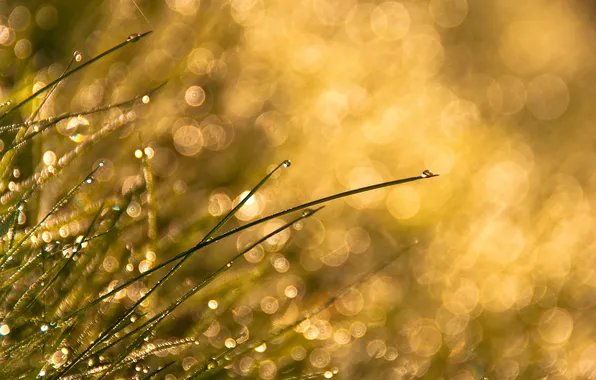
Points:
x=7 y=257
x=48 y=123
x=174 y=269
x=129 y=40
x=69 y=260
x=244 y=227
x=163 y=314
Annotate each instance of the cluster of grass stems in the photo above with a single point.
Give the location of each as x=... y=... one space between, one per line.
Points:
x=37 y=325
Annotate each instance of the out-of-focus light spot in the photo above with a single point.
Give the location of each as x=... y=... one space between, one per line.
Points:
x=555 y=325
x=78 y=129
x=188 y=140
x=425 y=340
x=110 y=264
x=342 y=336
x=269 y=305
x=247 y=12
x=403 y=202
x=212 y=304
x=251 y=209
x=351 y=303
x=332 y=12
x=448 y=13
x=23 y=49
x=331 y=107
x=194 y=96
x=188 y=362
x=376 y=348
x=184 y=7
x=7 y=35
x=267 y=369
x=199 y=61
x=275 y=127
x=144 y=266
x=319 y=358
x=49 y=157
x=138 y=153
x=261 y=348
x=19 y=18
x=357 y=239
x=548 y=97
x=4 y=329
x=47 y=17
x=290 y=291
x=134 y=209
x=390 y=21
x=357 y=329
x=230 y=343
x=507 y=95
x=298 y=353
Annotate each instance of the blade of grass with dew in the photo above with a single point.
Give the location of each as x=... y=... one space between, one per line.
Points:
x=163 y=314
x=171 y=272
x=48 y=123
x=7 y=257
x=7 y=157
x=131 y=39
x=65 y=264
x=249 y=225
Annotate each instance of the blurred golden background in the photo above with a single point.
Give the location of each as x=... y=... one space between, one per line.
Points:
x=495 y=96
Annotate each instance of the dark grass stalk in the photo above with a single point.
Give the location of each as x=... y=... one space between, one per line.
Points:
x=163 y=314
x=132 y=38
x=174 y=269
x=78 y=247
x=247 y=226
x=8 y=256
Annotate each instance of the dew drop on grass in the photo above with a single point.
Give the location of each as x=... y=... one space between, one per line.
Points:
x=77 y=56
x=89 y=180
x=307 y=212
x=212 y=364
x=44 y=327
x=287 y=163
x=4 y=329
x=146 y=99
x=133 y=37
x=427 y=173
x=229 y=264
x=42 y=373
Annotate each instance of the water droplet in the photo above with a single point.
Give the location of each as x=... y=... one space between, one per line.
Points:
x=212 y=364
x=146 y=99
x=307 y=212
x=42 y=373
x=133 y=37
x=4 y=329
x=89 y=180
x=427 y=173
x=229 y=264
x=101 y=163
x=287 y=163
x=77 y=56
x=44 y=327
x=78 y=129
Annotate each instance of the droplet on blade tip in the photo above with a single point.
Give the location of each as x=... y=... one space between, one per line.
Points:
x=427 y=173
x=287 y=163
x=133 y=37
x=77 y=56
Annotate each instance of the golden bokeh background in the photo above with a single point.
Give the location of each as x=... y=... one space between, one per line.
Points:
x=493 y=95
